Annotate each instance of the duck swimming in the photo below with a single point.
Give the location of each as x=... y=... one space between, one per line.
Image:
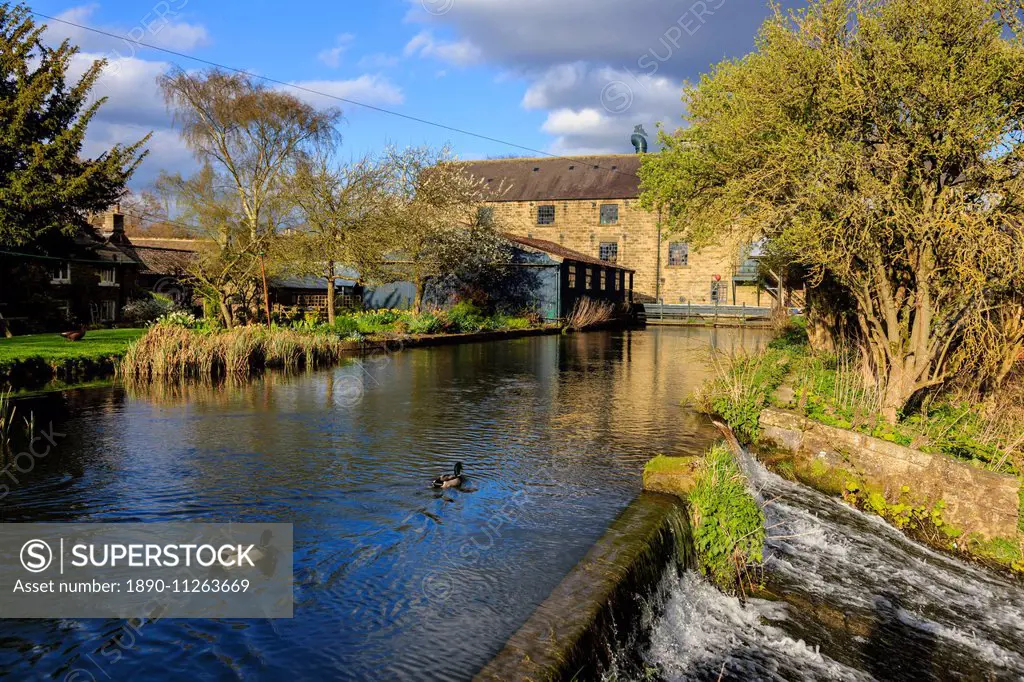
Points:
x=449 y=480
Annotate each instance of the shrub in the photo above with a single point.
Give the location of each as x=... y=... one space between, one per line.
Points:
x=728 y=525
x=429 y=323
x=378 y=321
x=519 y=323
x=344 y=325
x=144 y=311
x=178 y=318
x=742 y=389
x=466 y=318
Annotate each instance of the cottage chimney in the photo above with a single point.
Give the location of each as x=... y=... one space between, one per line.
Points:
x=114 y=222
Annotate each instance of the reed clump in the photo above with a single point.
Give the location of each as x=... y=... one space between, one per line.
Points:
x=589 y=312
x=174 y=351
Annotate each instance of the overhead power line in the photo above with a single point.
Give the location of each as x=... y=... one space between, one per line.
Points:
x=312 y=91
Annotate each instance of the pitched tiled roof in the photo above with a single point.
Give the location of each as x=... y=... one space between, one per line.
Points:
x=162 y=256
x=162 y=261
x=611 y=176
x=559 y=251
x=168 y=243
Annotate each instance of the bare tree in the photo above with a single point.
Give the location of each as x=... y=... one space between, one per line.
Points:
x=249 y=139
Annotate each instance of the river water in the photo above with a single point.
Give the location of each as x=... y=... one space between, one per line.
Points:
x=393 y=580
x=859 y=602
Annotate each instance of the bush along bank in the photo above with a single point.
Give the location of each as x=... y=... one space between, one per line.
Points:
x=728 y=523
x=827 y=389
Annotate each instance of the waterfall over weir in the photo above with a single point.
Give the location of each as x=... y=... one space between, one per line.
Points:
x=847 y=598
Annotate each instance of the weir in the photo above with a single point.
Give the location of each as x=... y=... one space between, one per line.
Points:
x=577 y=631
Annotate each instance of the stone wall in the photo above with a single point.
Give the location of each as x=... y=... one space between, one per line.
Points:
x=976 y=500
x=578 y=226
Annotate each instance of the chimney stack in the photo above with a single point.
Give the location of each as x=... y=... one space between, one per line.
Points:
x=114 y=221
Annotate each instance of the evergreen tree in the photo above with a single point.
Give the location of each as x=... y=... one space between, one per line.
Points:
x=46 y=187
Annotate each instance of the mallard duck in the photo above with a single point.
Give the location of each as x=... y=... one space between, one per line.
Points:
x=449 y=480
x=75 y=335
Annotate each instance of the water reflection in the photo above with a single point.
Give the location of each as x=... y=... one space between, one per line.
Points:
x=393 y=579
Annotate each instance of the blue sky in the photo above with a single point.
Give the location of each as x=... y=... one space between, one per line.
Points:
x=562 y=76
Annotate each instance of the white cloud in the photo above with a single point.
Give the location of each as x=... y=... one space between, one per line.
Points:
x=130 y=84
x=598 y=67
x=367 y=89
x=332 y=56
x=134 y=108
x=460 y=53
x=158 y=26
x=593 y=109
x=166 y=150
x=378 y=60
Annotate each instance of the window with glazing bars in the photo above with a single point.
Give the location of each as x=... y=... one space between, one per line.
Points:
x=545 y=215
x=609 y=251
x=678 y=253
x=609 y=214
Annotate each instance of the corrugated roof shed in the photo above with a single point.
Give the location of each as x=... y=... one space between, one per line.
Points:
x=554 y=179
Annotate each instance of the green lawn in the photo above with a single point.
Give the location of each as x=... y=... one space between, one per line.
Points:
x=100 y=343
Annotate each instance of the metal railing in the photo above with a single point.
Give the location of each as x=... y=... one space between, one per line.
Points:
x=689 y=311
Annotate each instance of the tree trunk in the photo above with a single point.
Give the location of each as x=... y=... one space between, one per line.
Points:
x=330 y=292
x=225 y=312
x=828 y=327
x=900 y=387
x=417 y=302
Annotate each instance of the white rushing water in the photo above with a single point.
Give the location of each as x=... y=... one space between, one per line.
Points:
x=861 y=602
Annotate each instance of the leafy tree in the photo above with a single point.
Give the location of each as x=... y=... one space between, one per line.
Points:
x=344 y=209
x=878 y=145
x=46 y=188
x=433 y=227
x=248 y=139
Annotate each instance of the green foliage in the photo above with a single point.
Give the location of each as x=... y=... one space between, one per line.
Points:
x=47 y=186
x=875 y=146
x=462 y=318
x=429 y=323
x=742 y=389
x=344 y=325
x=793 y=337
x=466 y=317
x=729 y=527
x=146 y=310
x=832 y=392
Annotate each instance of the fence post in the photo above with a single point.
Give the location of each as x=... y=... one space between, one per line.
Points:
x=689 y=314
x=744 y=314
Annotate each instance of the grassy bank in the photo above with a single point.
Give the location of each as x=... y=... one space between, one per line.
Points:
x=181 y=347
x=39 y=358
x=829 y=389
